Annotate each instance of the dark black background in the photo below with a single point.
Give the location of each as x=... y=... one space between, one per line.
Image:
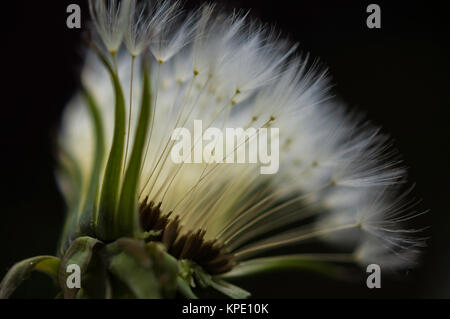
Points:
x=398 y=75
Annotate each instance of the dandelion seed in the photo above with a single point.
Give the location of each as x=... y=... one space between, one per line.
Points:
x=110 y=18
x=147 y=19
x=174 y=34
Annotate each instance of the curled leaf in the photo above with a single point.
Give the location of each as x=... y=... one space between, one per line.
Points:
x=80 y=253
x=22 y=270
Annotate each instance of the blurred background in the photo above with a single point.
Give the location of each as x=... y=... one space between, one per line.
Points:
x=398 y=75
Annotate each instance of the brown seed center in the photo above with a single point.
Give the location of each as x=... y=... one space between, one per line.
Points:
x=211 y=255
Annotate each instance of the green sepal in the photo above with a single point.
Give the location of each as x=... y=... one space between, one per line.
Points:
x=127 y=214
x=166 y=268
x=89 y=214
x=229 y=289
x=145 y=270
x=120 y=290
x=22 y=270
x=138 y=277
x=69 y=167
x=82 y=252
x=130 y=263
x=206 y=280
x=107 y=219
x=282 y=263
x=95 y=281
x=185 y=289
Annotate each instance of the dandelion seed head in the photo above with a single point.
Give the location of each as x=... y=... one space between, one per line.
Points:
x=337 y=175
